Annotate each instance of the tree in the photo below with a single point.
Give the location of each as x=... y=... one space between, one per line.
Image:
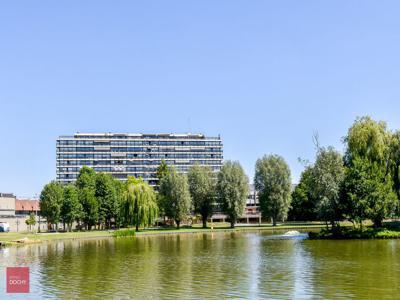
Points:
x=120 y=188
x=31 y=221
x=232 y=190
x=368 y=139
x=86 y=184
x=175 y=196
x=162 y=170
x=202 y=190
x=328 y=175
x=369 y=185
x=273 y=184
x=394 y=165
x=106 y=196
x=139 y=207
x=71 y=209
x=369 y=192
x=303 y=205
x=50 y=203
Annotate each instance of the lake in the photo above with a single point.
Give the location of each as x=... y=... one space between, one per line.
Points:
x=251 y=265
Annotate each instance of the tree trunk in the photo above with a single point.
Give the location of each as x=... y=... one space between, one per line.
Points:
x=333 y=225
x=137 y=227
x=273 y=221
x=178 y=223
x=204 y=222
x=232 y=223
x=378 y=223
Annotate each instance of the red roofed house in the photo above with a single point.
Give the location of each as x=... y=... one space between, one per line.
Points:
x=27 y=206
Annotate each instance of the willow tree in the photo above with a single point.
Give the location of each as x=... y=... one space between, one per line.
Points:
x=139 y=207
x=202 y=189
x=368 y=182
x=232 y=190
x=394 y=165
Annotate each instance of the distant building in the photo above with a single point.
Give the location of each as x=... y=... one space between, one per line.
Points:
x=27 y=206
x=131 y=154
x=7 y=204
x=252 y=213
x=252 y=204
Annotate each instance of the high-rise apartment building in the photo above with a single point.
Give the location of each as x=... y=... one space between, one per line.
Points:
x=131 y=154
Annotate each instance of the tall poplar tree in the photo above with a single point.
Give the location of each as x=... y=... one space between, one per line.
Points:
x=175 y=196
x=273 y=184
x=232 y=190
x=202 y=189
x=50 y=203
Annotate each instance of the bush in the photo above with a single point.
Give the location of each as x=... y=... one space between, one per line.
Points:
x=124 y=232
x=350 y=233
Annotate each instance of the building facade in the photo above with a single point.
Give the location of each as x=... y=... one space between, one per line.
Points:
x=138 y=155
x=7 y=204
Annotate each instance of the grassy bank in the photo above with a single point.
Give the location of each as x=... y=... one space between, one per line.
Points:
x=11 y=238
x=350 y=233
x=15 y=238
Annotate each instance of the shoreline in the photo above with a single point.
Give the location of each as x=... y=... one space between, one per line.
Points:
x=26 y=238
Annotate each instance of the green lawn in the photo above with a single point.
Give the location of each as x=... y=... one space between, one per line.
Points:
x=217 y=227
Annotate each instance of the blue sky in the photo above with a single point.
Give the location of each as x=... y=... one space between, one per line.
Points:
x=263 y=74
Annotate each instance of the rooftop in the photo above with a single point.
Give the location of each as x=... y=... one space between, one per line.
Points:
x=27 y=205
x=109 y=135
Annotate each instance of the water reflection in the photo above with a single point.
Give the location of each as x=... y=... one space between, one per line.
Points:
x=216 y=265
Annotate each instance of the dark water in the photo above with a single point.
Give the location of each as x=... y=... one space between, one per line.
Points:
x=208 y=266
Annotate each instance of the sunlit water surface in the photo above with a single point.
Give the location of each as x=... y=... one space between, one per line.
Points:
x=252 y=265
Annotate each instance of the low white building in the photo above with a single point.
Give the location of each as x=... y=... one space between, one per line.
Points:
x=7 y=204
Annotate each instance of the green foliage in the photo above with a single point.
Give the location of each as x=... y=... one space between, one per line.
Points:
x=232 y=190
x=90 y=207
x=369 y=193
x=124 y=233
x=328 y=174
x=368 y=188
x=31 y=221
x=202 y=190
x=304 y=203
x=368 y=139
x=139 y=206
x=86 y=178
x=120 y=188
x=162 y=170
x=71 y=209
x=86 y=184
x=394 y=165
x=355 y=233
x=175 y=196
x=50 y=202
x=273 y=184
x=106 y=196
